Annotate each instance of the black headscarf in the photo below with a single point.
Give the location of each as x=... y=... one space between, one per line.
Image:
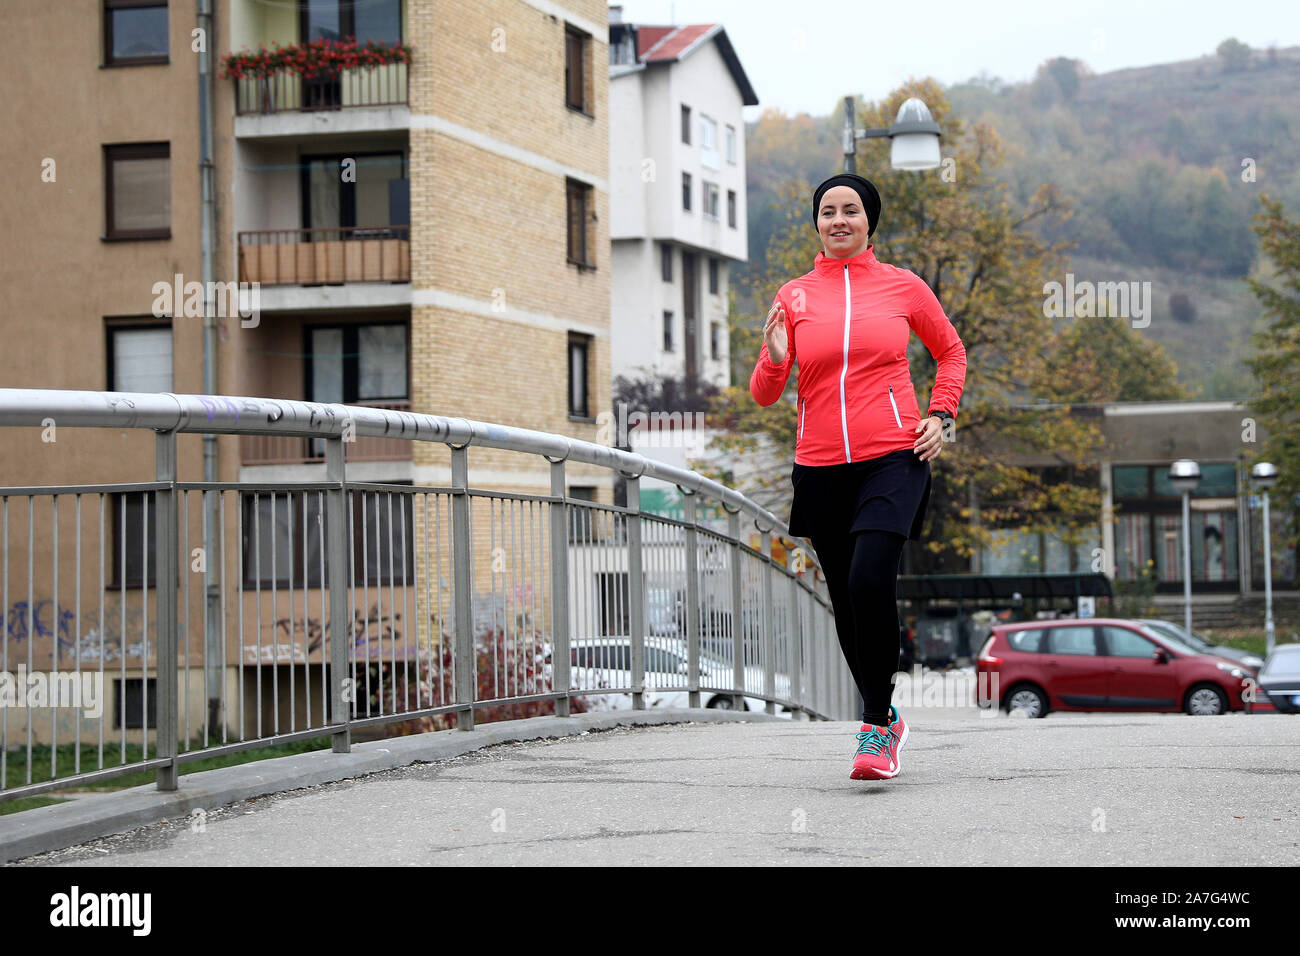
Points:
x=859 y=184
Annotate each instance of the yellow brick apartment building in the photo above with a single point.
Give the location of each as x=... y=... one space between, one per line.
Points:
x=428 y=236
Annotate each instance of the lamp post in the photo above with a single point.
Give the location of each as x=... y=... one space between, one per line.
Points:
x=914 y=137
x=1184 y=475
x=1264 y=476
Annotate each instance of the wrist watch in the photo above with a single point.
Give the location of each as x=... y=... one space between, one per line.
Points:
x=944 y=417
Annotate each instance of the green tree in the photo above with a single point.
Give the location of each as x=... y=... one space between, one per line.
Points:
x=1102 y=359
x=1235 y=55
x=980 y=254
x=1276 y=365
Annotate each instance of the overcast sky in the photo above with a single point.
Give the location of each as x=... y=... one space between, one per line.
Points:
x=804 y=56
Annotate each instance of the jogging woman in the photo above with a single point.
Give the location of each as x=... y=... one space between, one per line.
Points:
x=862 y=458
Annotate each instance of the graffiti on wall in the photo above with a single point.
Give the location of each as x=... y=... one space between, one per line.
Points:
x=25 y=626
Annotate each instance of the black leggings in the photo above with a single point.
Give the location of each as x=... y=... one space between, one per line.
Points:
x=861 y=570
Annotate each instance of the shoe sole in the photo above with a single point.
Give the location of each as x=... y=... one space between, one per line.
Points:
x=870 y=774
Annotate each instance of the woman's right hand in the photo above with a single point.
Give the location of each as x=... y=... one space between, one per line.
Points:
x=774 y=336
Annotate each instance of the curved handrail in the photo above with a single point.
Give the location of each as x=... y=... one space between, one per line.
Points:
x=240 y=415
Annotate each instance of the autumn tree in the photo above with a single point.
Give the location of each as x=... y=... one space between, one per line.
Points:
x=1100 y=358
x=1276 y=364
x=981 y=255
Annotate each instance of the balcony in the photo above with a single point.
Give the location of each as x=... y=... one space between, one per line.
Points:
x=327 y=256
x=288 y=92
x=282 y=450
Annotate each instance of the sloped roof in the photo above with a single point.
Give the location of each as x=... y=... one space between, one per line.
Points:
x=668 y=44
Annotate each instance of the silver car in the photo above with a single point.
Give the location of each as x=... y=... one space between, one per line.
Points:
x=1280 y=678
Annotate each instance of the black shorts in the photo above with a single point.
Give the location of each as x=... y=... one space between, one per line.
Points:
x=889 y=493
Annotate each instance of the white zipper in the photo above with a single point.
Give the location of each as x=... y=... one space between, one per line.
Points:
x=803 y=411
x=844 y=371
x=898 y=420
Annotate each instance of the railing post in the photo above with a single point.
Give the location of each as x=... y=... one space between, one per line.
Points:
x=635 y=592
x=461 y=558
x=692 y=600
x=737 y=615
x=166 y=543
x=793 y=636
x=560 y=674
x=338 y=534
x=769 y=626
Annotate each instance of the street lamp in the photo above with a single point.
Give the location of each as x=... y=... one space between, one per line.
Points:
x=914 y=137
x=1264 y=476
x=1184 y=475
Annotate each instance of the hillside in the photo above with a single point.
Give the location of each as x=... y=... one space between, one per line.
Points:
x=1152 y=158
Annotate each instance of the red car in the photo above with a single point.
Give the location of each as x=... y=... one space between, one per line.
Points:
x=1102 y=664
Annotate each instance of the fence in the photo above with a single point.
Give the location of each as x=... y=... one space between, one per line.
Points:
x=157 y=622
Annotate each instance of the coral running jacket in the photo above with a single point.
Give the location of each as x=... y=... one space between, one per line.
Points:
x=847 y=326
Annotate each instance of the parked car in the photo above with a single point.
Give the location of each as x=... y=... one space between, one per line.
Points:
x=1103 y=664
x=606 y=662
x=1279 y=678
x=1247 y=660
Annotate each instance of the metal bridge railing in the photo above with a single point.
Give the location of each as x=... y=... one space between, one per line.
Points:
x=151 y=623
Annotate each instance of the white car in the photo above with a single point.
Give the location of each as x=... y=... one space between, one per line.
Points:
x=602 y=662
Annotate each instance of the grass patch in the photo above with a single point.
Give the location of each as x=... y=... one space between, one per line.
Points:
x=28 y=803
x=1251 y=639
x=63 y=757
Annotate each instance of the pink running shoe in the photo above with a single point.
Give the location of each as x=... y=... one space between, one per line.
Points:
x=877 y=756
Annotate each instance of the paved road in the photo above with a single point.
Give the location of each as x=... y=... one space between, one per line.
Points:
x=1067 y=789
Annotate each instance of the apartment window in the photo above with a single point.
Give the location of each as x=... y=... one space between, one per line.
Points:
x=347 y=364
x=713 y=276
x=708 y=142
x=668 y=330
x=715 y=340
x=731 y=208
x=686 y=191
x=378 y=20
x=134 y=558
x=355 y=364
x=139 y=357
x=666 y=261
x=135 y=32
x=284 y=536
x=686 y=124
x=137 y=191
x=373 y=203
x=579 y=349
x=730 y=141
x=711 y=200
x=579 y=218
x=577 y=47
x=135 y=703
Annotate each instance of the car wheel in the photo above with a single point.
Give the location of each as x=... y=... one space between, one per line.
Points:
x=1205 y=700
x=1027 y=698
x=723 y=702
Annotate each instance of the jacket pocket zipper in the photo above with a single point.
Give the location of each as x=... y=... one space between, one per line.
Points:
x=897 y=420
x=803 y=411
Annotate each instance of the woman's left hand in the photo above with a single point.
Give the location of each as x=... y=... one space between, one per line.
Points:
x=929 y=443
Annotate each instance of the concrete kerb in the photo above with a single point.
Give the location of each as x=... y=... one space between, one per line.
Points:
x=63 y=825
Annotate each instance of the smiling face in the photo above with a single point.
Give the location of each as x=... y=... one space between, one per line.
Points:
x=842 y=222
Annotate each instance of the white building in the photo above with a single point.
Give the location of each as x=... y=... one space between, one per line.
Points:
x=677 y=196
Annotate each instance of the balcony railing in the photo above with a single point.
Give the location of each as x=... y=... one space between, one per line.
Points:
x=286 y=450
x=287 y=91
x=326 y=256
